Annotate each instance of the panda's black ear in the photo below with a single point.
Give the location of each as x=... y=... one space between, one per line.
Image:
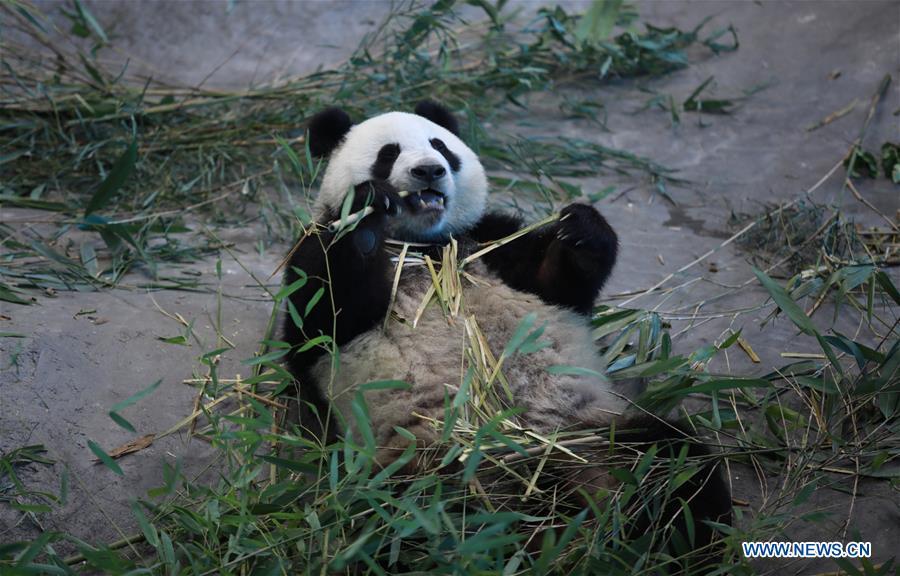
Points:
x=438 y=114
x=326 y=130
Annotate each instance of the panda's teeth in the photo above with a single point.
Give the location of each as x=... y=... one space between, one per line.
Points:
x=441 y=200
x=422 y=203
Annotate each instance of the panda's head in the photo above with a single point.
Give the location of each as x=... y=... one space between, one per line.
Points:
x=418 y=153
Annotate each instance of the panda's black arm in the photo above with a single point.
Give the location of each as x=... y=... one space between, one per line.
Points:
x=353 y=273
x=565 y=263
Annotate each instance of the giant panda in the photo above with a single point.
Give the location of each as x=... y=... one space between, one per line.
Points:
x=418 y=182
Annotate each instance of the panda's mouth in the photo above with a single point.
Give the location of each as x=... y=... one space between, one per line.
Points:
x=426 y=200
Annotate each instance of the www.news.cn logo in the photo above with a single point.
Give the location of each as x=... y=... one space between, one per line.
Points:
x=807 y=549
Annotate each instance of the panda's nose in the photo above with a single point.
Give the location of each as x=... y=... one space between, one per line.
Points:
x=428 y=172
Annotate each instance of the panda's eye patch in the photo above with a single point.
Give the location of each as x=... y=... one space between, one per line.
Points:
x=389 y=152
x=452 y=159
x=384 y=163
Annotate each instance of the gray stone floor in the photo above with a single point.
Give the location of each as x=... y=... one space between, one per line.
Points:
x=71 y=369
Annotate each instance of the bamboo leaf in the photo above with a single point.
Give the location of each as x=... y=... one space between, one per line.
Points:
x=7 y=294
x=716 y=385
x=117 y=176
x=105 y=458
x=91 y=21
x=784 y=301
x=291 y=288
x=598 y=22
x=149 y=530
x=314 y=300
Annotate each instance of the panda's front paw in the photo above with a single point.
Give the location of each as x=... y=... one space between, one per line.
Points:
x=582 y=227
x=380 y=195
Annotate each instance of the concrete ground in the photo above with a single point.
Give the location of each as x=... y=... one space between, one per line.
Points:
x=58 y=383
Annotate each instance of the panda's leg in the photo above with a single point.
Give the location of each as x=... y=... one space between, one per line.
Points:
x=565 y=263
x=347 y=289
x=706 y=492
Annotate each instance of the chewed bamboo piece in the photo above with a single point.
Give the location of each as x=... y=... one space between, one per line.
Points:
x=355 y=217
x=400 y=259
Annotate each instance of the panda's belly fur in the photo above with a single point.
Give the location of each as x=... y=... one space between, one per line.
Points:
x=430 y=357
